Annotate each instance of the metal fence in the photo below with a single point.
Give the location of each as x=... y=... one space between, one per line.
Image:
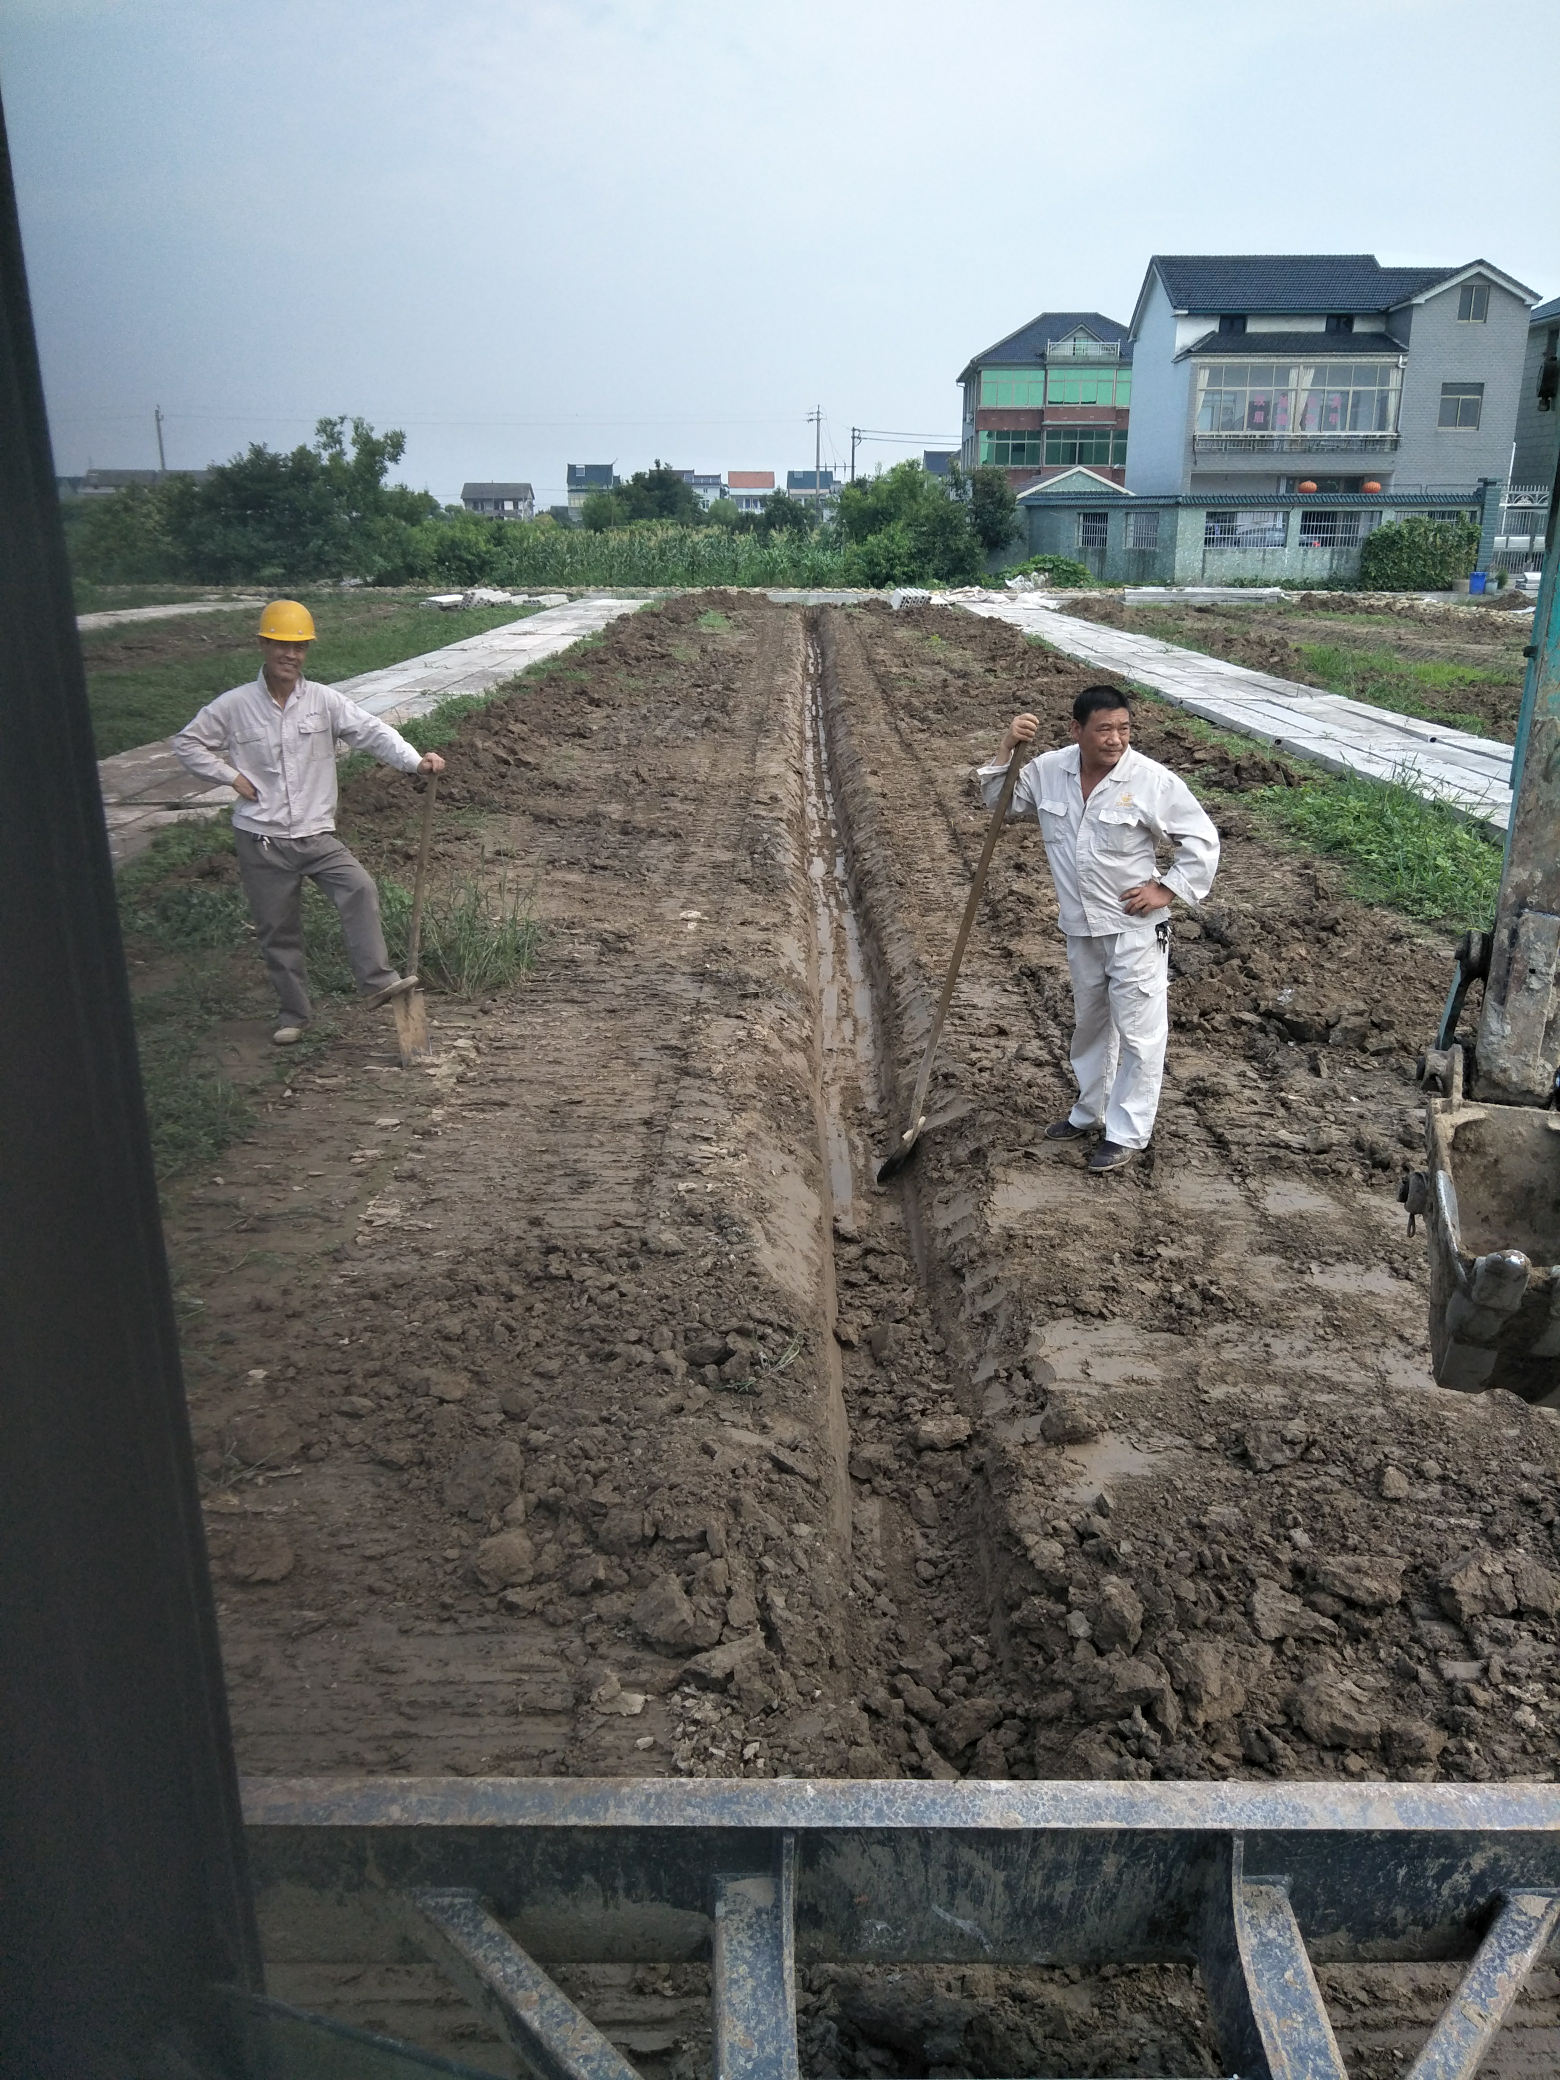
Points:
x=1522 y=529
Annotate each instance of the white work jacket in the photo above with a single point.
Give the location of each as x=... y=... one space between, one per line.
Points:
x=1100 y=848
x=288 y=752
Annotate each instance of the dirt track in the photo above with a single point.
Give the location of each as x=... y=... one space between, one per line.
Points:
x=611 y=1422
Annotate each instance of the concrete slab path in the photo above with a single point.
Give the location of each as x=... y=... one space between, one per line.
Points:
x=115 y=617
x=147 y=788
x=1472 y=773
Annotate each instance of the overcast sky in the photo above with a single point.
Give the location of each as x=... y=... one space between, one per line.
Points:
x=536 y=233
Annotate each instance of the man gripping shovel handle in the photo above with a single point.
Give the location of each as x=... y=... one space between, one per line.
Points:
x=274 y=742
x=1105 y=813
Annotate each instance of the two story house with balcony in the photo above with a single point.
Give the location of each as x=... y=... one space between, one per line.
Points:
x=1261 y=374
x=1056 y=395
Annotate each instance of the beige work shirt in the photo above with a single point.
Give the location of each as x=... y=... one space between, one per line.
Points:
x=1101 y=847
x=289 y=752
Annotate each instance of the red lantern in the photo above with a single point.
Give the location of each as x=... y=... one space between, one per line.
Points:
x=1370 y=484
x=1305 y=485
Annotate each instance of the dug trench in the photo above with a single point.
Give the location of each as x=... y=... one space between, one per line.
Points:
x=579 y=1407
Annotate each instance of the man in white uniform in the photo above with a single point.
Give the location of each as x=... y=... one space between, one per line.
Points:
x=1102 y=809
x=274 y=742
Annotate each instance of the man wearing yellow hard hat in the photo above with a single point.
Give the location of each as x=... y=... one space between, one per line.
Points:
x=274 y=742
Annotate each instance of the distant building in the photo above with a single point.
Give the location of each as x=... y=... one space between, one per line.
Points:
x=1538 y=429
x=501 y=501
x=706 y=489
x=586 y=478
x=749 y=488
x=812 y=487
x=1055 y=395
x=1260 y=373
x=100 y=483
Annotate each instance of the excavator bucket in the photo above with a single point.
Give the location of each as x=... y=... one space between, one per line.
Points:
x=1490 y=1198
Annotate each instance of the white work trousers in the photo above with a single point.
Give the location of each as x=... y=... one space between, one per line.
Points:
x=1121 y=1007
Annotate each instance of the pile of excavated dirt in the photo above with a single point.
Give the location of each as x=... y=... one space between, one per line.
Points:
x=1274 y=636
x=578 y=1406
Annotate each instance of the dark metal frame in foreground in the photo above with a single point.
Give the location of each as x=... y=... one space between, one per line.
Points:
x=497 y=1878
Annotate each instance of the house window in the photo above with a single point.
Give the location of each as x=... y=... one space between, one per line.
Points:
x=1281 y=397
x=1092 y=529
x=1331 y=530
x=1262 y=529
x=1013 y=450
x=1013 y=389
x=1473 y=304
x=1340 y=321
x=1097 y=386
x=1143 y=529
x=1094 y=446
x=1232 y=321
x=1461 y=404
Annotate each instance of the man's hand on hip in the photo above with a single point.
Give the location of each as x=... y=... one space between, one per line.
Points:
x=1147 y=897
x=430 y=762
x=246 y=787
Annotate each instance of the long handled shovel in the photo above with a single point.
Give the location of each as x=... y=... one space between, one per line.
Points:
x=899 y=1154
x=411 y=1009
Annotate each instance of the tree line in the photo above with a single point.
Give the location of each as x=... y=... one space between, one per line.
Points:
x=327 y=511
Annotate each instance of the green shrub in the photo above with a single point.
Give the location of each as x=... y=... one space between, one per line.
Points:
x=1056 y=570
x=1417 y=555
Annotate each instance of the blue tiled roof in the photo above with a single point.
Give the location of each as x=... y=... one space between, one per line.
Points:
x=595 y=476
x=1271 y=346
x=1026 y=347
x=1290 y=281
x=1546 y=313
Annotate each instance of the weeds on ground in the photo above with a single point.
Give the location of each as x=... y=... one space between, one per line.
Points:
x=1418 y=856
x=1380 y=678
x=475 y=939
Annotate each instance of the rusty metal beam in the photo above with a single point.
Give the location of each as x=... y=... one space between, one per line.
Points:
x=1517 y=1940
x=755 y=1971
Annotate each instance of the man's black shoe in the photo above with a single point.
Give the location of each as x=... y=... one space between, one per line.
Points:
x=1064 y=1130
x=1110 y=1156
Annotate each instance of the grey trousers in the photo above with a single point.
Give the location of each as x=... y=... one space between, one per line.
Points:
x=272 y=871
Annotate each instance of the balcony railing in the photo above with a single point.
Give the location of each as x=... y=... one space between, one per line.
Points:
x=1082 y=350
x=1294 y=443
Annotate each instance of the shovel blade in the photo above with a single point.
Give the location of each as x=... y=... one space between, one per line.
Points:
x=411 y=1027
x=900 y=1153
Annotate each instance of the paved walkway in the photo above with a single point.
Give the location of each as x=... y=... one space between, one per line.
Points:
x=1472 y=773
x=146 y=788
x=112 y=617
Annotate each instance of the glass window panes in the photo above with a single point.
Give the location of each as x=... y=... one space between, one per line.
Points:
x=1092 y=529
x=1143 y=529
x=1111 y=387
x=1013 y=450
x=1280 y=397
x=1096 y=446
x=1473 y=302
x=1461 y=404
x=1337 y=529
x=1226 y=529
x=1018 y=389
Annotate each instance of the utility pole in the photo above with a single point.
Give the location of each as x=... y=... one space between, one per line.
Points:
x=817 y=421
x=162 y=460
x=855 y=439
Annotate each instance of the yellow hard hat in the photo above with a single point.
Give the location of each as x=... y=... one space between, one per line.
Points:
x=287 y=621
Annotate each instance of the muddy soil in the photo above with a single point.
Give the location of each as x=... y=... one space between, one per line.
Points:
x=578 y=1406
x=1274 y=636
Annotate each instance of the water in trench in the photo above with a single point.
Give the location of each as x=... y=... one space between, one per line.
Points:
x=851 y=1056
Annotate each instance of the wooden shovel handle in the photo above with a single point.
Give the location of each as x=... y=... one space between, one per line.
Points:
x=419 y=886
x=977 y=886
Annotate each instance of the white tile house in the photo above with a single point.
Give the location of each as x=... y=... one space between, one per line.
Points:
x=499 y=501
x=1269 y=373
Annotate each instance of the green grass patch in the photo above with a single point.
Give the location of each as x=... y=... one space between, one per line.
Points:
x=713 y=618
x=1417 y=856
x=146 y=680
x=1425 y=688
x=475 y=939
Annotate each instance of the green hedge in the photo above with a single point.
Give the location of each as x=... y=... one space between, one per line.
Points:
x=1418 y=555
